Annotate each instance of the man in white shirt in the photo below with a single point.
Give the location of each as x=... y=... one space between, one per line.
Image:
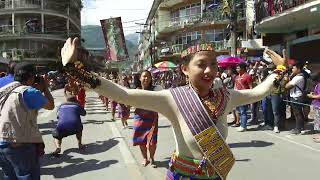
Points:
x=297 y=85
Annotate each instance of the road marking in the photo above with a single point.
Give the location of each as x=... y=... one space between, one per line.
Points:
x=293 y=142
x=125 y=152
x=132 y=167
x=124 y=149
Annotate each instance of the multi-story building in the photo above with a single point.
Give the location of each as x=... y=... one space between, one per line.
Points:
x=172 y=25
x=35 y=30
x=294 y=25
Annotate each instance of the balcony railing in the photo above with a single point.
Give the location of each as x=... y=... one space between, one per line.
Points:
x=5 y=29
x=271 y=8
x=61 y=8
x=26 y=54
x=178 y=48
x=207 y=17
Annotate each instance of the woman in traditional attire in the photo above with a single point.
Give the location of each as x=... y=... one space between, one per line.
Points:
x=146 y=125
x=114 y=104
x=124 y=110
x=315 y=96
x=81 y=96
x=106 y=99
x=197 y=112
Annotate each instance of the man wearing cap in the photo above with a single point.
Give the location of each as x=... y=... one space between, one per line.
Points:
x=297 y=85
x=21 y=142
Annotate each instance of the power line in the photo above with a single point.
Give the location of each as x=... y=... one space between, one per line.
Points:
x=125 y=22
x=118 y=9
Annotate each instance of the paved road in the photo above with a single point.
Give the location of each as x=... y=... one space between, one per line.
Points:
x=261 y=155
x=105 y=157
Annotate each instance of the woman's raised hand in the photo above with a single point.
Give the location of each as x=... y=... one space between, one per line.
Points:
x=69 y=51
x=276 y=58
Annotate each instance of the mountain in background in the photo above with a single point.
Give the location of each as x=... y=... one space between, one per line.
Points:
x=93 y=38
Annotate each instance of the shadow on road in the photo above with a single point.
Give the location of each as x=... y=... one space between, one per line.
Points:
x=94 y=148
x=95 y=121
x=253 y=143
x=165 y=126
x=46 y=132
x=243 y=160
x=77 y=165
x=49 y=125
x=163 y=164
x=77 y=168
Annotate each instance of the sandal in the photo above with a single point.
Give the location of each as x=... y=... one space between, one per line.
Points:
x=235 y=125
x=145 y=163
x=316 y=140
x=317 y=136
x=153 y=164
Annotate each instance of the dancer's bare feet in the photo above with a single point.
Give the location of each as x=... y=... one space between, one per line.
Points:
x=56 y=153
x=81 y=147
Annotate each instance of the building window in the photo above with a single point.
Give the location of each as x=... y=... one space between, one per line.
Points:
x=187 y=38
x=186 y=12
x=215 y=35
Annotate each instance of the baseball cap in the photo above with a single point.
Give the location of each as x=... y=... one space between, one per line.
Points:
x=292 y=61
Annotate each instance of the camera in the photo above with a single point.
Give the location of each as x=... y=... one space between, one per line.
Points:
x=39 y=82
x=38 y=79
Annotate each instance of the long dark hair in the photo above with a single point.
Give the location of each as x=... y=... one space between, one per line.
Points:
x=136 y=81
x=150 y=87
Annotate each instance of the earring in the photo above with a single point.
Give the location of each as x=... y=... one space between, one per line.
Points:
x=187 y=80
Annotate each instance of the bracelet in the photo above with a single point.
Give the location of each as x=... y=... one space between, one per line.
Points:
x=77 y=71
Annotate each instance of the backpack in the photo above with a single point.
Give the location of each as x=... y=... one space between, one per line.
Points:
x=304 y=98
x=5 y=93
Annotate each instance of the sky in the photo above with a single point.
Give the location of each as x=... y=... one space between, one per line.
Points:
x=129 y=10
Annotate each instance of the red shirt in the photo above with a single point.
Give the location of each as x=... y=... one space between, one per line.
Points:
x=81 y=97
x=243 y=81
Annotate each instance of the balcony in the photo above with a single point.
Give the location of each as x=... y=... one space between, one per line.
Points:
x=273 y=8
x=170 y=3
x=5 y=29
x=211 y=18
x=176 y=50
x=48 y=6
x=30 y=54
x=287 y=16
x=6 y=33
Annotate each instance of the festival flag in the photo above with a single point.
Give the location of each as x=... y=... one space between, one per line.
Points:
x=114 y=38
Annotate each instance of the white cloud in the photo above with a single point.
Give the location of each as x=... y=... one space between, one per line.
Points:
x=128 y=10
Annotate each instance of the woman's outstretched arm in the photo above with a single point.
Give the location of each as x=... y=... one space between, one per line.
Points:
x=150 y=100
x=249 y=96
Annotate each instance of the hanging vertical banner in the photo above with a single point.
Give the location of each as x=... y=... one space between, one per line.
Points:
x=114 y=38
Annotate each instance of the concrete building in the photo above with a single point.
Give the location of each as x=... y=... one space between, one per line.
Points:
x=35 y=30
x=294 y=25
x=172 y=25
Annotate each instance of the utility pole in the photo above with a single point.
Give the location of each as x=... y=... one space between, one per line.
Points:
x=233 y=29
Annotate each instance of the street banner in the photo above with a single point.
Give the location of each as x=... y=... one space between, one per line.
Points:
x=114 y=39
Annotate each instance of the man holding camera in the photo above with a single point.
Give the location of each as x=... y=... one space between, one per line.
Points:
x=21 y=142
